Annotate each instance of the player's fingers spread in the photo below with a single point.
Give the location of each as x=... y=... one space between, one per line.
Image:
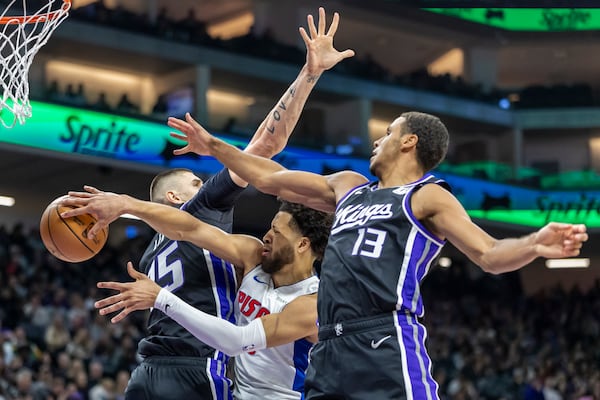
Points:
x=304 y=35
x=120 y=316
x=322 y=21
x=107 y=302
x=178 y=124
x=191 y=120
x=311 y=26
x=334 y=25
x=347 y=53
x=74 y=200
x=97 y=228
x=182 y=150
x=173 y=120
x=91 y=189
x=179 y=136
x=102 y=285
x=91 y=234
x=111 y=285
x=109 y=309
x=72 y=195
x=73 y=211
x=137 y=275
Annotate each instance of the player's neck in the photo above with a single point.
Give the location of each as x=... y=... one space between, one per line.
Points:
x=399 y=176
x=291 y=274
x=394 y=180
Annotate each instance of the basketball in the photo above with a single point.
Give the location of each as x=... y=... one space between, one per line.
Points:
x=65 y=238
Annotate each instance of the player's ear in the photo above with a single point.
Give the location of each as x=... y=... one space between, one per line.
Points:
x=304 y=245
x=409 y=140
x=172 y=197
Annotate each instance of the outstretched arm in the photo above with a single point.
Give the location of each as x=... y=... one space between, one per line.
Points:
x=296 y=321
x=313 y=190
x=445 y=215
x=241 y=250
x=273 y=133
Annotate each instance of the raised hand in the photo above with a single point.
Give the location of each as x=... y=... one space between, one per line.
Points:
x=138 y=295
x=106 y=207
x=320 y=53
x=556 y=240
x=196 y=137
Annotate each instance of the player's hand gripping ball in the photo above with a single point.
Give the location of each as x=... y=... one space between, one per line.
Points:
x=66 y=238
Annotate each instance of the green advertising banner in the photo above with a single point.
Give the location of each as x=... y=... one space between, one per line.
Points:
x=537 y=218
x=68 y=130
x=89 y=133
x=72 y=130
x=528 y=19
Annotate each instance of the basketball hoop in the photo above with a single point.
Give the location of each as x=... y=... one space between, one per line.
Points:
x=21 y=36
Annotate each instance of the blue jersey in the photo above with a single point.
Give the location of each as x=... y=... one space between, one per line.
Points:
x=192 y=273
x=377 y=255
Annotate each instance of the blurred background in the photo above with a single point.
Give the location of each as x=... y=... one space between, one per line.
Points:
x=517 y=88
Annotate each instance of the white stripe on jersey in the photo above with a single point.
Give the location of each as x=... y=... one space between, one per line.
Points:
x=213 y=389
x=405 y=265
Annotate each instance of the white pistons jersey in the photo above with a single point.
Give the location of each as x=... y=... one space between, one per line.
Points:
x=275 y=373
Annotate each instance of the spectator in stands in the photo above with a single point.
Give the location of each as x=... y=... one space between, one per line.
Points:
x=126 y=106
x=101 y=104
x=57 y=336
x=191 y=29
x=159 y=110
x=71 y=96
x=52 y=92
x=164 y=25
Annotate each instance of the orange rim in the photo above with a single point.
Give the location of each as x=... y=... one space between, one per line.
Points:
x=36 y=18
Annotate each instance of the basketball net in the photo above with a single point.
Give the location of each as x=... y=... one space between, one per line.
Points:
x=21 y=36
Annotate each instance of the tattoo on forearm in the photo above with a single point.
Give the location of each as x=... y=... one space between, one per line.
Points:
x=276 y=114
x=312 y=78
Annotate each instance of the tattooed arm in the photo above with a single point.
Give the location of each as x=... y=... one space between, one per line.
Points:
x=272 y=135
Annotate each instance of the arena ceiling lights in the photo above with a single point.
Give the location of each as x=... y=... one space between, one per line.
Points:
x=7 y=201
x=568 y=263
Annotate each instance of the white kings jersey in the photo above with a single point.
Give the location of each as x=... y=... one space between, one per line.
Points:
x=275 y=373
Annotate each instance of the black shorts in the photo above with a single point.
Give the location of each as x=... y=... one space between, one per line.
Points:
x=179 y=378
x=378 y=358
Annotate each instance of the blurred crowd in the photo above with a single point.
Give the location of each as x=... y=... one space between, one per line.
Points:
x=487 y=340
x=53 y=344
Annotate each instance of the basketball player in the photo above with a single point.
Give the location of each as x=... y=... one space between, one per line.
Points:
x=176 y=365
x=384 y=238
x=276 y=307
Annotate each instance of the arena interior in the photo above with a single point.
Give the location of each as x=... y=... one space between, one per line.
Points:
x=520 y=96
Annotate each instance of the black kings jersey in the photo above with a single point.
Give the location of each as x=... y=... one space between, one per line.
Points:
x=377 y=254
x=194 y=274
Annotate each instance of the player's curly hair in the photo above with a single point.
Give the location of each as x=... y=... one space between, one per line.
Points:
x=433 y=137
x=313 y=224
